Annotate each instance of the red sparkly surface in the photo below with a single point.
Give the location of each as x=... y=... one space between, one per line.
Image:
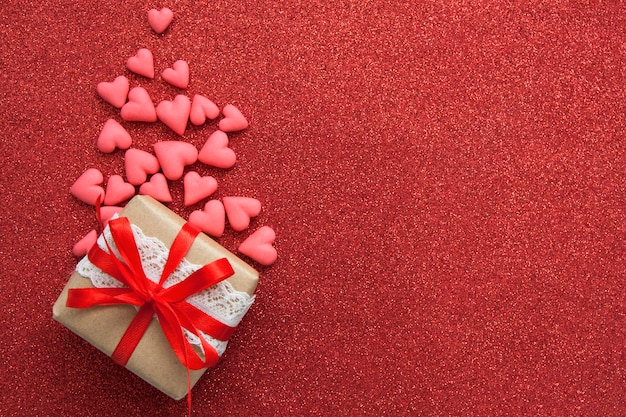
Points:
x=446 y=180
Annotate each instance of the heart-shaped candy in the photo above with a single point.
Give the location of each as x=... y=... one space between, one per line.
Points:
x=174 y=156
x=159 y=20
x=118 y=190
x=107 y=212
x=140 y=107
x=239 y=211
x=81 y=248
x=201 y=109
x=258 y=246
x=116 y=92
x=211 y=219
x=178 y=75
x=142 y=63
x=157 y=188
x=175 y=113
x=113 y=135
x=233 y=119
x=196 y=187
x=139 y=164
x=216 y=152
x=87 y=187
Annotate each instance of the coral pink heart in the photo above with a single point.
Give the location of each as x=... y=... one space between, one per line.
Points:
x=87 y=187
x=174 y=156
x=175 y=113
x=201 y=109
x=239 y=211
x=118 y=190
x=139 y=164
x=113 y=135
x=107 y=212
x=140 y=107
x=211 y=219
x=196 y=187
x=233 y=119
x=178 y=75
x=216 y=152
x=116 y=92
x=157 y=188
x=81 y=247
x=159 y=20
x=258 y=246
x=142 y=63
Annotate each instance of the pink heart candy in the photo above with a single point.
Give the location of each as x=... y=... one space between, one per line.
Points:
x=239 y=211
x=142 y=63
x=107 y=212
x=201 y=109
x=178 y=75
x=87 y=187
x=140 y=107
x=216 y=152
x=81 y=248
x=196 y=187
x=258 y=246
x=157 y=188
x=159 y=20
x=211 y=219
x=175 y=113
x=138 y=165
x=174 y=156
x=233 y=119
x=116 y=92
x=118 y=190
x=113 y=135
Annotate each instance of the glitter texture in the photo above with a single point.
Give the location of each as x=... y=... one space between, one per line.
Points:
x=447 y=181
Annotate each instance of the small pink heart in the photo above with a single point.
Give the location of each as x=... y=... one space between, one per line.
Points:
x=239 y=211
x=201 y=109
x=140 y=107
x=81 y=248
x=107 y=212
x=216 y=152
x=258 y=246
x=211 y=219
x=157 y=188
x=196 y=187
x=139 y=164
x=178 y=75
x=159 y=20
x=174 y=156
x=116 y=92
x=113 y=135
x=142 y=63
x=233 y=119
x=118 y=190
x=87 y=187
x=175 y=113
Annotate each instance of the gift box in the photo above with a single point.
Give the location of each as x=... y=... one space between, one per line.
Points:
x=154 y=228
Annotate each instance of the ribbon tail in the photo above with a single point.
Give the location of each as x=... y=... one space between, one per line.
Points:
x=133 y=335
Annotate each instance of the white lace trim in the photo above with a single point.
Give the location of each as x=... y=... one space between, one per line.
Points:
x=220 y=301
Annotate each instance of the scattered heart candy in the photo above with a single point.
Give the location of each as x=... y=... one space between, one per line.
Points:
x=159 y=20
x=211 y=219
x=239 y=210
x=116 y=92
x=216 y=152
x=196 y=187
x=233 y=119
x=81 y=248
x=113 y=135
x=178 y=75
x=118 y=190
x=174 y=156
x=107 y=212
x=139 y=164
x=139 y=108
x=142 y=63
x=157 y=188
x=258 y=246
x=201 y=109
x=87 y=187
x=175 y=113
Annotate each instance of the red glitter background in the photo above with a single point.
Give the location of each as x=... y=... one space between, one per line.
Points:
x=446 y=179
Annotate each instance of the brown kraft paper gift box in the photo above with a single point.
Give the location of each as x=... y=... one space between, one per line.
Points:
x=103 y=326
